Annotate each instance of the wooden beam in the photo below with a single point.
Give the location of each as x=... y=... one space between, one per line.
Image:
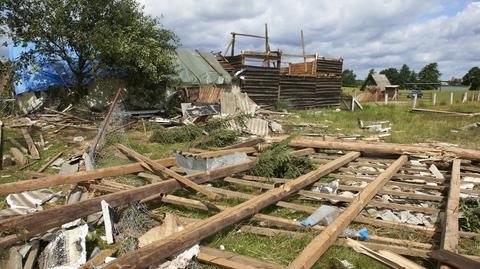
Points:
x=42 y=221
x=76 y=177
x=49 y=162
x=385 y=148
x=231 y=260
x=15 y=143
x=449 y=239
x=160 y=168
x=174 y=243
x=1 y=145
x=324 y=240
x=120 y=170
x=248 y=35
x=67 y=115
x=454 y=260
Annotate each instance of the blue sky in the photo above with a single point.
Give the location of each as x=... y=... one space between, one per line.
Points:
x=365 y=33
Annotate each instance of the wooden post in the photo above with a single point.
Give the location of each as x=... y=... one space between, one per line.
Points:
x=162 y=169
x=449 y=239
x=1 y=145
x=31 y=145
x=386 y=98
x=434 y=98
x=478 y=97
x=267 y=46
x=324 y=240
x=158 y=251
x=303 y=50
x=451 y=98
x=414 y=100
x=465 y=98
x=353 y=103
x=233 y=44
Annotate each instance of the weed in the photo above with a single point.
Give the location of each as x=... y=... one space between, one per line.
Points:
x=470 y=221
x=283 y=105
x=176 y=135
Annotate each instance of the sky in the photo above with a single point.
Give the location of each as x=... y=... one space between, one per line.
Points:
x=365 y=33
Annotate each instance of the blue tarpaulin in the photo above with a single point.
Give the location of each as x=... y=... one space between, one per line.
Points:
x=39 y=77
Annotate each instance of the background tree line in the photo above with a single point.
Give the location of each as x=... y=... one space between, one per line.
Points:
x=405 y=77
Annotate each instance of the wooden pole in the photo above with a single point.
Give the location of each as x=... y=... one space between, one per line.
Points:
x=324 y=240
x=157 y=251
x=267 y=46
x=49 y=162
x=384 y=148
x=1 y=145
x=449 y=239
x=162 y=169
x=42 y=221
x=414 y=100
x=386 y=98
x=303 y=50
x=434 y=96
x=451 y=98
x=233 y=44
x=465 y=98
x=478 y=97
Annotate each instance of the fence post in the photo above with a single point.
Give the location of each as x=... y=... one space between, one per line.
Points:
x=414 y=100
x=451 y=98
x=386 y=98
x=434 y=96
x=465 y=97
x=478 y=97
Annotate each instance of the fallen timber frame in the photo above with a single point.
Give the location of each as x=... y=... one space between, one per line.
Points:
x=385 y=148
x=160 y=250
x=120 y=170
x=322 y=242
x=42 y=221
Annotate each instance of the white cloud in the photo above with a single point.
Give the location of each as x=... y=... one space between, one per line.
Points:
x=366 y=33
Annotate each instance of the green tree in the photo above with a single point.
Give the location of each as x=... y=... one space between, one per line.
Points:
x=392 y=75
x=429 y=74
x=113 y=36
x=472 y=78
x=405 y=76
x=348 y=78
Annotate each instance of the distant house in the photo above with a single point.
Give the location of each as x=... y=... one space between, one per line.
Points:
x=379 y=85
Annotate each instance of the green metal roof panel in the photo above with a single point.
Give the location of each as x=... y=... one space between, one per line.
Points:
x=200 y=68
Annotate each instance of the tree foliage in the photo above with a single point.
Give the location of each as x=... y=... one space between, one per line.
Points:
x=392 y=75
x=429 y=74
x=472 y=78
x=348 y=78
x=112 y=36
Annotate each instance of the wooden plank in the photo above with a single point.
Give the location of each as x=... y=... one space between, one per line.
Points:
x=239 y=260
x=174 y=243
x=322 y=242
x=454 y=260
x=449 y=239
x=20 y=159
x=49 y=162
x=42 y=221
x=385 y=148
x=15 y=143
x=160 y=168
x=67 y=115
x=54 y=180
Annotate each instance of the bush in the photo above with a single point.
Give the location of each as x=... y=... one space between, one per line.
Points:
x=176 y=135
x=277 y=162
